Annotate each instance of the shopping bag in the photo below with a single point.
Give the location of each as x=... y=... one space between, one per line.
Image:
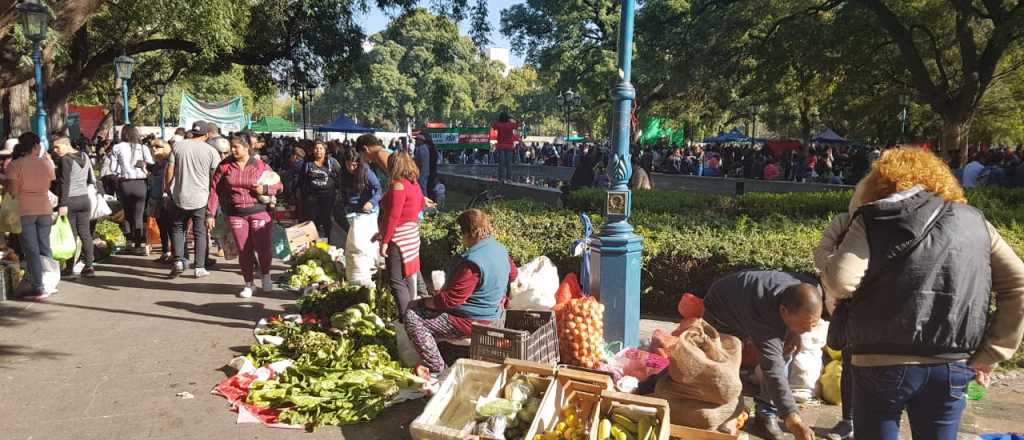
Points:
x=152 y=232
x=360 y=250
x=51 y=274
x=229 y=246
x=10 y=218
x=279 y=242
x=62 y=239
x=100 y=208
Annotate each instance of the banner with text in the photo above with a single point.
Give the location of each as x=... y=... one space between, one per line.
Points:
x=454 y=138
x=228 y=115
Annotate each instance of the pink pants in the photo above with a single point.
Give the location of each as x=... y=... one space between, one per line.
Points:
x=252 y=233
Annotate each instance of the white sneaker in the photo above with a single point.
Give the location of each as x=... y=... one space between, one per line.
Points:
x=200 y=272
x=246 y=292
x=266 y=284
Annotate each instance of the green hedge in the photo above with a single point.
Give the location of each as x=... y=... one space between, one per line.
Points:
x=690 y=239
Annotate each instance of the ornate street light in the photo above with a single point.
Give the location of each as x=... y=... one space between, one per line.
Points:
x=616 y=276
x=124 y=64
x=35 y=21
x=161 y=89
x=904 y=115
x=567 y=100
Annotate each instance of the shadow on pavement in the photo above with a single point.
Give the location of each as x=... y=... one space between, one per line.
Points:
x=154 y=315
x=393 y=423
x=16 y=312
x=8 y=351
x=248 y=311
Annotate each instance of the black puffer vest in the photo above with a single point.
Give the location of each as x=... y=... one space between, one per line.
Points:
x=927 y=287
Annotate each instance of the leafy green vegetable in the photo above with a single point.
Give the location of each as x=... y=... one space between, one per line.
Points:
x=262 y=354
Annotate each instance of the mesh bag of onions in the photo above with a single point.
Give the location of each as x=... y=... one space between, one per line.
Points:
x=580 y=331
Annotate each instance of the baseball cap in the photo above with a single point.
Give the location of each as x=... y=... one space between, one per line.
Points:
x=200 y=128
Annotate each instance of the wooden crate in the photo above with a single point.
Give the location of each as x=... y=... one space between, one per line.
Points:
x=450 y=413
x=570 y=386
x=687 y=433
x=608 y=397
x=546 y=372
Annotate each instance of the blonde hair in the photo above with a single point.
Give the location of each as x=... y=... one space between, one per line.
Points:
x=474 y=224
x=900 y=169
x=161 y=149
x=401 y=166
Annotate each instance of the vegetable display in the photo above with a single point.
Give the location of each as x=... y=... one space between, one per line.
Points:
x=313 y=266
x=110 y=232
x=580 y=324
x=360 y=320
x=572 y=426
x=628 y=423
x=510 y=417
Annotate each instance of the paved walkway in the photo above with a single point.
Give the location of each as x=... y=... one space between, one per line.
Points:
x=105 y=358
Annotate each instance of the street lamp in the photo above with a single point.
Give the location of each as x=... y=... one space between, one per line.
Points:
x=161 y=89
x=124 y=64
x=616 y=276
x=754 y=110
x=35 y=21
x=904 y=115
x=567 y=100
x=112 y=98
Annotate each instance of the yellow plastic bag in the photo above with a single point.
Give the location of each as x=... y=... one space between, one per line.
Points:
x=829 y=382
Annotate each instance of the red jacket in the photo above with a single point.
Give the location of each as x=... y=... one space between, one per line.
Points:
x=506 y=135
x=399 y=207
x=231 y=187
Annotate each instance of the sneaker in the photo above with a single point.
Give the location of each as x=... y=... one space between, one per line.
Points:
x=266 y=284
x=39 y=295
x=210 y=264
x=89 y=272
x=842 y=431
x=201 y=273
x=246 y=292
x=177 y=269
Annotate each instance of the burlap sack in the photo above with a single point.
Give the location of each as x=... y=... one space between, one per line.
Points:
x=703 y=386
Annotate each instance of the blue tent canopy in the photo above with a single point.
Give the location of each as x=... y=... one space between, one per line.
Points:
x=829 y=137
x=344 y=124
x=733 y=136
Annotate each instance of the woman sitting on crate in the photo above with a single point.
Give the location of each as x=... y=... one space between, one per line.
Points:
x=475 y=292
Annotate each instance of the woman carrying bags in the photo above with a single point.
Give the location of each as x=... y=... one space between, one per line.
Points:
x=235 y=188
x=29 y=176
x=130 y=159
x=74 y=180
x=360 y=194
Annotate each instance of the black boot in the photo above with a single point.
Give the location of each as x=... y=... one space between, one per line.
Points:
x=768 y=428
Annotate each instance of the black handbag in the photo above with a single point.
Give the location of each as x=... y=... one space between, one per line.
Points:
x=836 y=338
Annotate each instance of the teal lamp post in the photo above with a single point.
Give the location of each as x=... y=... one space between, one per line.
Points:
x=616 y=275
x=35 y=20
x=124 y=64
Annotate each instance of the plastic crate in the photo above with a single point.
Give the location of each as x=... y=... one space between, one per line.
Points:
x=527 y=335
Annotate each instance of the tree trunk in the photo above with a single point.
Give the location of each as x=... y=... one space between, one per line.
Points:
x=16 y=106
x=953 y=144
x=805 y=124
x=57 y=117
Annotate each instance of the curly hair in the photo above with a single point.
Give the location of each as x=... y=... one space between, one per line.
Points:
x=900 y=169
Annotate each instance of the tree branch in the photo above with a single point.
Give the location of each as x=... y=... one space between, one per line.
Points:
x=908 y=49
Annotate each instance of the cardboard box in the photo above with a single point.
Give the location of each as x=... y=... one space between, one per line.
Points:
x=301 y=236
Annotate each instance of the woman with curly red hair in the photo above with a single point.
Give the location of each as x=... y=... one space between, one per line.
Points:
x=914 y=266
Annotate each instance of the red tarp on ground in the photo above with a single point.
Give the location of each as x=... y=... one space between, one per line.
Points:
x=779 y=146
x=89 y=118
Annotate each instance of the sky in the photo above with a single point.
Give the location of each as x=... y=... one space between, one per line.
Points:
x=377 y=20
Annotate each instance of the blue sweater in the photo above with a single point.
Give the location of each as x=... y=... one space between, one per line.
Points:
x=491 y=258
x=371 y=193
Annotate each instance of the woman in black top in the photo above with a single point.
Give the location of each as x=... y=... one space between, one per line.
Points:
x=318 y=184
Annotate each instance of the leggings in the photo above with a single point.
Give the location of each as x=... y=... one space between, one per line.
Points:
x=79 y=214
x=252 y=233
x=424 y=327
x=846 y=385
x=319 y=208
x=403 y=288
x=133 y=197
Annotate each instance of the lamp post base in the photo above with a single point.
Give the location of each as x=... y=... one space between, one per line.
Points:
x=615 y=279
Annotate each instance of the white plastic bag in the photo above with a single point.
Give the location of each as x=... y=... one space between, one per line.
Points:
x=806 y=367
x=407 y=354
x=100 y=208
x=360 y=251
x=536 y=285
x=51 y=274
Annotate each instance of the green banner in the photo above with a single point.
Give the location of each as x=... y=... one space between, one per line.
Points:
x=654 y=130
x=454 y=138
x=228 y=115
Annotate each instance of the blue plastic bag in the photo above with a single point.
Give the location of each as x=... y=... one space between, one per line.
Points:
x=279 y=242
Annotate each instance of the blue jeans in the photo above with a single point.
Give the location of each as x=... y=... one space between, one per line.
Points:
x=933 y=396
x=763 y=405
x=505 y=165
x=35 y=243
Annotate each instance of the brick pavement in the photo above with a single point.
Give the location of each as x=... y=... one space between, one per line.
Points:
x=106 y=357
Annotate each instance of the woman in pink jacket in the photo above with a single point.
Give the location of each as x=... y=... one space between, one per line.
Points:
x=235 y=187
